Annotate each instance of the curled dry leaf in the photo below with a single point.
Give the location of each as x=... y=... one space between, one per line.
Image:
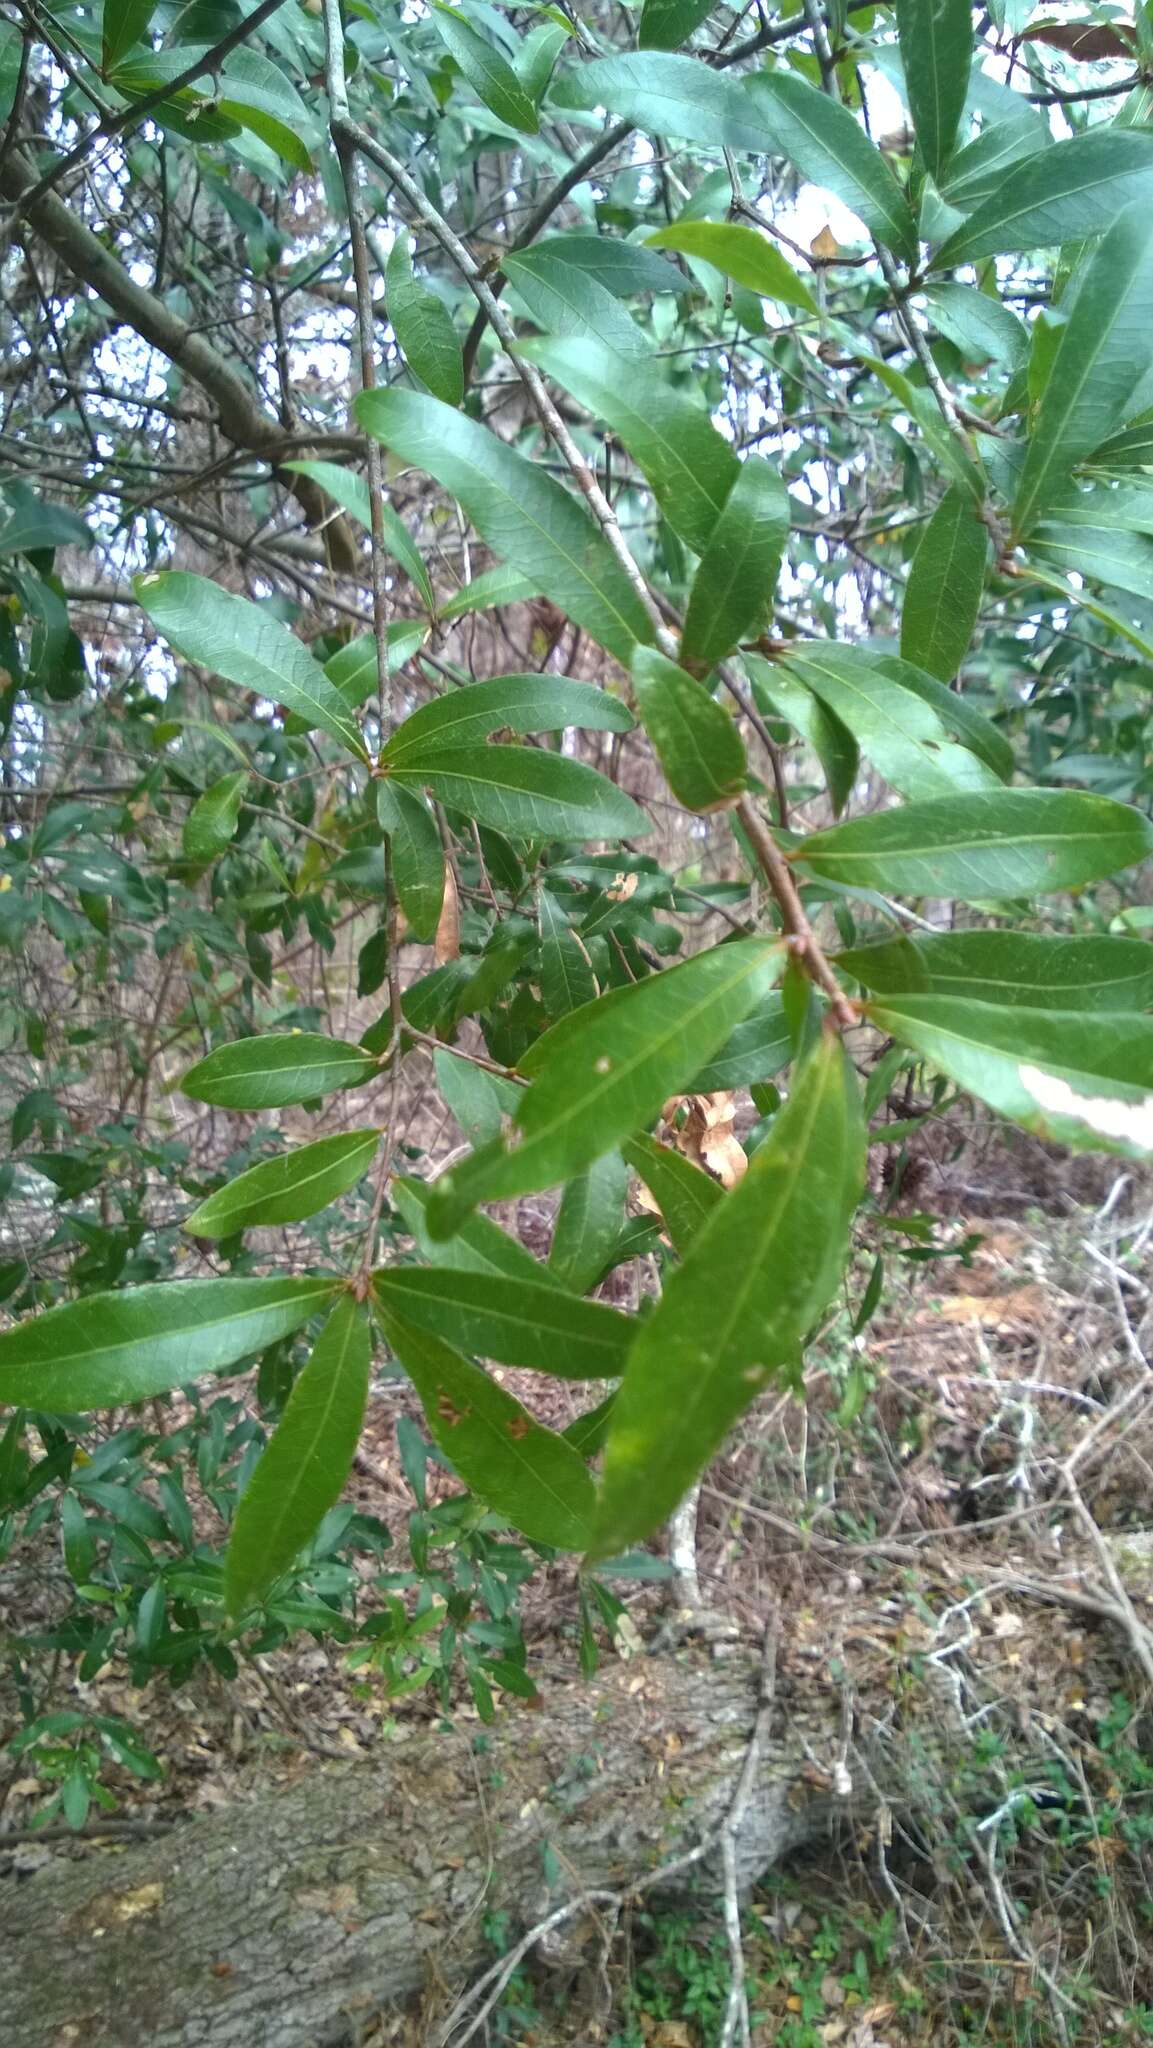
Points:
x=446 y=945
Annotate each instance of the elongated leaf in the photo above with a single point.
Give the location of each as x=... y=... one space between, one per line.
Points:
x=744 y=254
x=666 y=95
x=755 y=1051
x=684 y=1194
x=479 y=1246
x=288 y=1189
x=524 y=515
x=1081 y=1080
x=276 y=1069
x=31 y=524
x=1086 y=540
x=778 y=692
x=624 y=268
x=417 y=855
x=564 y=300
x=538 y=54
x=113 y=1348
x=246 y=646
x=982 y=328
x=303 y=1468
x=1023 y=842
x=697 y=744
x=350 y=491
x=1062 y=194
x=900 y=733
x=566 y=977
x=954 y=711
x=737 y=573
x=423 y=328
x=212 y=821
x=521 y=703
x=588 y=1223
x=691 y=467
x=946 y=582
x=1012 y=968
x=124 y=23
x=666 y=24
x=491 y=78
x=523 y=791
x=498 y=586
x=736 y=1312
x=517 y=1322
x=829 y=146
x=354 y=668
x=603 y=1072
x=526 y=1473
x=1102 y=357
x=936 y=39
x=479 y=1101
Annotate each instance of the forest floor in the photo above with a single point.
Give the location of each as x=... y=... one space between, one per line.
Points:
x=957 y=1532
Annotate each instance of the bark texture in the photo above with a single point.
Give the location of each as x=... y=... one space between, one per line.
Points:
x=288 y=1922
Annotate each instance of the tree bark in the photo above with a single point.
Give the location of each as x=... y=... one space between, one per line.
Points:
x=289 y=1922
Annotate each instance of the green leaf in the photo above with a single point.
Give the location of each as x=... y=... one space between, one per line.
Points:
x=685 y=1196
x=667 y=95
x=566 y=977
x=498 y=586
x=564 y=300
x=124 y=24
x=981 y=327
x=32 y=524
x=479 y=1246
x=524 y=515
x=523 y=1471
x=354 y=668
x=417 y=855
x=697 y=744
x=666 y=24
x=276 y=1069
x=537 y=55
x=755 y=1051
x=246 y=646
x=349 y=490
x=518 y=1322
x=624 y=268
x=254 y=91
x=690 y=466
x=520 y=703
x=288 y=1189
x=829 y=147
x=1030 y=969
x=1089 y=539
x=1101 y=361
x=737 y=573
x=1057 y=195
x=113 y=1348
x=493 y=81
x=77 y=1539
x=902 y=735
x=736 y=1312
x=1023 y=842
x=303 y=1468
x=954 y=710
x=605 y=1070
x=479 y=1101
x=936 y=40
x=946 y=582
x=778 y=692
x=523 y=791
x=423 y=328
x=743 y=254
x=588 y=1223
x=212 y=821
x=1077 y=1079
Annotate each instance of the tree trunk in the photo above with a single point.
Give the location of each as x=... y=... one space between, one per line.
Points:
x=288 y=1922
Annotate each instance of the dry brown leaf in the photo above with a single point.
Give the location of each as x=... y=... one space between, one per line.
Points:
x=1088 y=42
x=825 y=246
x=446 y=945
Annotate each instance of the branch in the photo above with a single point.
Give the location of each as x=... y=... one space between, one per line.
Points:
x=240 y=413
x=806 y=944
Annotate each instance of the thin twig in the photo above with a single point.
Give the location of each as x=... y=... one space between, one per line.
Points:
x=806 y=945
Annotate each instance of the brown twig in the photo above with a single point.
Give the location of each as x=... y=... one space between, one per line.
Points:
x=806 y=945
